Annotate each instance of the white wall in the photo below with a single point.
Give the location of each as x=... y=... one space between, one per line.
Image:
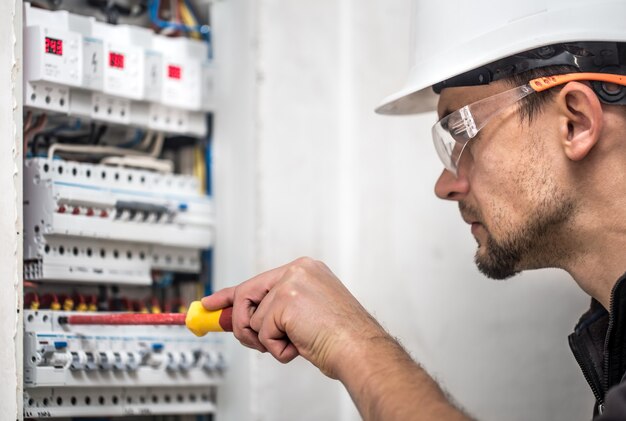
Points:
x=332 y=180
x=10 y=210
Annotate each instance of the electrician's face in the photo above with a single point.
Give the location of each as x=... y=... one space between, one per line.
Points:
x=506 y=189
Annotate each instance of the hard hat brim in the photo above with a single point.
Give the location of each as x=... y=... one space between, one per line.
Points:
x=409 y=101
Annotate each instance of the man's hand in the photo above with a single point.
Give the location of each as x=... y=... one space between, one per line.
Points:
x=298 y=309
x=303 y=309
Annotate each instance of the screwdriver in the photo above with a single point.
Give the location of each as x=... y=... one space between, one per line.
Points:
x=198 y=320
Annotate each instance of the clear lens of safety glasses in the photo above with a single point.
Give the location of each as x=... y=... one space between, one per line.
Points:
x=452 y=133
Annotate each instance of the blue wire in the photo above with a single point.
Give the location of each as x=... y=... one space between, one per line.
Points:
x=207 y=255
x=203 y=30
x=207 y=35
x=134 y=142
x=77 y=125
x=208 y=282
x=154 y=17
x=208 y=158
x=166 y=280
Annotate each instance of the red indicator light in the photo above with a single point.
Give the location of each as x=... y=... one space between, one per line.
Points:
x=54 y=46
x=116 y=60
x=174 y=72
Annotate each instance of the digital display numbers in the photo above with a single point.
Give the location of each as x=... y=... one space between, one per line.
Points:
x=116 y=60
x=173 y=72
x=54 y=46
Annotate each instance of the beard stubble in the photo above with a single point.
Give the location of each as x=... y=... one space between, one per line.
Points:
x=534 y=245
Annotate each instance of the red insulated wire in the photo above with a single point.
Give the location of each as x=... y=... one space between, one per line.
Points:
x=173 y=305
x=30 y=299
x=140 y=306
x=93 y=303
x=49 y=300
x=155 y=305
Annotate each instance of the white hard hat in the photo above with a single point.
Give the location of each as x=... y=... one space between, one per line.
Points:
x=455 y=37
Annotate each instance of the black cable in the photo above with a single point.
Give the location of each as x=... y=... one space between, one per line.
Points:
x=54 y=4
x=80 y=138
x=103 y=298
x=99 y=134
x=92 y=133
x=39 y=138
x=112 y=10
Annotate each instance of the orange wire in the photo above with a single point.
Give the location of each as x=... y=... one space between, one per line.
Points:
x=543 y=83
x=27 y=120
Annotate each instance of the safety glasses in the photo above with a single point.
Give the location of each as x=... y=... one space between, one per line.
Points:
x=452 y=133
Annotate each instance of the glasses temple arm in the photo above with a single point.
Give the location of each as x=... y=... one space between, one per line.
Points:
x=543 y=83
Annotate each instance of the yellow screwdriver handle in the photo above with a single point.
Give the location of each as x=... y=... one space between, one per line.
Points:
x=202 y=321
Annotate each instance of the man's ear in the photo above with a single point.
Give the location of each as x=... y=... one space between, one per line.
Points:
x=581 y=119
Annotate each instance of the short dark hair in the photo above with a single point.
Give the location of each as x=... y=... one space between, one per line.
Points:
x=533 y=104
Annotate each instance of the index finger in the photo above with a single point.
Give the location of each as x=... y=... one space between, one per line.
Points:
x=258 y=286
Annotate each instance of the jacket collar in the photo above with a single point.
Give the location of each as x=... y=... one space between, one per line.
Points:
x=599 y=342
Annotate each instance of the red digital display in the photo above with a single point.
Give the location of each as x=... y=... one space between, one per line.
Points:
x=116 y=60
x=54 y=46
x=173 y=72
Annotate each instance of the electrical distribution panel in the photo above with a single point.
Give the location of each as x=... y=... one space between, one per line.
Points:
x=108 y=225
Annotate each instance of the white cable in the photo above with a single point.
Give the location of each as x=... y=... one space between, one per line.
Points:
x=146 y=141
x=158 y=145
x=144 y=162
x=109 y=150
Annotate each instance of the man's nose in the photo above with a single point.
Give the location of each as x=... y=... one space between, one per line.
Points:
x=449 y=187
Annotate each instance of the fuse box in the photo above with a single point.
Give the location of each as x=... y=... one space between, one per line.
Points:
x=117 y=214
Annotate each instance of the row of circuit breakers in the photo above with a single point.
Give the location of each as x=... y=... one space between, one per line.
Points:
x=92 y=224
x=141 y=221
x=117 y=370
x=117 y=74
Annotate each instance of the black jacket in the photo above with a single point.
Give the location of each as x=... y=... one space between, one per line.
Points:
x=599 y=345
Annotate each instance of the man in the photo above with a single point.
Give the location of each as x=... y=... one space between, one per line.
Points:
x=532 y=136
